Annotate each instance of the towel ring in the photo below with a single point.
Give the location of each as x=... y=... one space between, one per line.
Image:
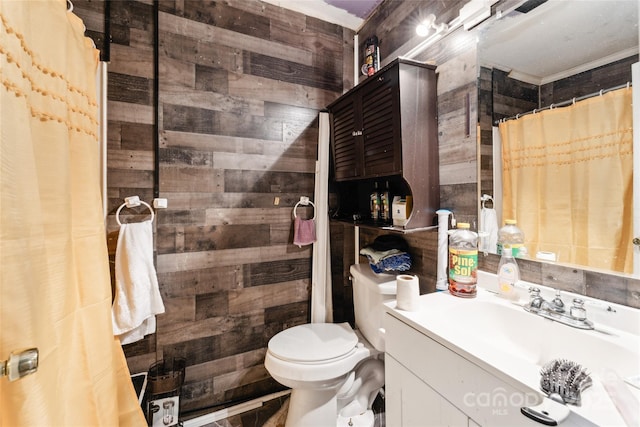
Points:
x=133 y=206
x=306 y=202
x=486 y=198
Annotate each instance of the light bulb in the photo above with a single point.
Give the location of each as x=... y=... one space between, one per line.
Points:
x=422 y=29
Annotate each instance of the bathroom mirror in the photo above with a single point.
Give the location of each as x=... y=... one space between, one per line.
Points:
x=542 y=41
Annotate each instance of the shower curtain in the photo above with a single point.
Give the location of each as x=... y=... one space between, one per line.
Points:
x=54 y=274
x=567 y=180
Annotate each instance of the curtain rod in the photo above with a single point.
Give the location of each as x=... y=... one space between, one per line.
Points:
x=565 y=103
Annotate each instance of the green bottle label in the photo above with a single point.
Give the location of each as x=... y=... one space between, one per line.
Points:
x=463 y=264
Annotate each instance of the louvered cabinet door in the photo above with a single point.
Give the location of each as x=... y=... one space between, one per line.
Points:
x=347 y=140
x=382 y=145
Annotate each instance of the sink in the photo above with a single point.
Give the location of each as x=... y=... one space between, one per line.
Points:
x=537 y=340
x=502 y=338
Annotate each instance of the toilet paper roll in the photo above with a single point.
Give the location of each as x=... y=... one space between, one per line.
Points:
x=408 y=292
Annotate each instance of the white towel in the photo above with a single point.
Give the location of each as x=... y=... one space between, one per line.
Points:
x=137 y=297
x=488 y=230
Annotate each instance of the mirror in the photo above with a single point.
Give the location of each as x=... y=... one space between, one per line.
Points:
x=555 y=44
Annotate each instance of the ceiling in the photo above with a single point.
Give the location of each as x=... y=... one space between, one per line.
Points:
x=360 y=8
x=347 y=13
x=558 y=38
x=551 y=39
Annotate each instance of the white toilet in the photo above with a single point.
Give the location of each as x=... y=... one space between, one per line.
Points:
x=333 y=371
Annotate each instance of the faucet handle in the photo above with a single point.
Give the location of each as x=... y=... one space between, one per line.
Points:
x=577 y=310
x=535 y=300
x=557 y=303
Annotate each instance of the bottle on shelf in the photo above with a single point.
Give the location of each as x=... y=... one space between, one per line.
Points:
x=512 y=235
x=374 y=203
x=508 y=273
x=385 y=204
x=463 y=261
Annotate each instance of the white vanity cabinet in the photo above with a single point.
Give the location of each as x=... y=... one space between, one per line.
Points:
x=477 y=361
x=411 y=402
x=428 y=384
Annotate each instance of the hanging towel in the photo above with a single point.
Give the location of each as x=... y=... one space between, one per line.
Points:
x=137 y=297
x=304 y=231
x=488 y=230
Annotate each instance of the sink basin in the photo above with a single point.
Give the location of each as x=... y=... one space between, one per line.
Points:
x=537 y=340
x=502 y=338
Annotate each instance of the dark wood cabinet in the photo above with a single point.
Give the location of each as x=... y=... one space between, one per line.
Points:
x=346 y=151
x=386 y=129
x=381 y=133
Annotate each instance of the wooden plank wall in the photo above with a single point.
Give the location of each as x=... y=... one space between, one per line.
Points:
x=240 y=86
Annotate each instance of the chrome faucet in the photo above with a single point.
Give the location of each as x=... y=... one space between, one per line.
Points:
x=555 y=309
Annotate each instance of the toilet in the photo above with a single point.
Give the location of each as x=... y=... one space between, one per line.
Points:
x=334 y=371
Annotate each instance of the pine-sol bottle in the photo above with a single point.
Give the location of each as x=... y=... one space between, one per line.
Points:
x=463 y=261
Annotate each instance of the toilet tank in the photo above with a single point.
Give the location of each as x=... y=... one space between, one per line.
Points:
x=370 y=291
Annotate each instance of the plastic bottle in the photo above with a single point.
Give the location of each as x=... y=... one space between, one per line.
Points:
x=375 y=203
x=385 y=204
x=463 y=261
x=508 y=273
x=511 y=234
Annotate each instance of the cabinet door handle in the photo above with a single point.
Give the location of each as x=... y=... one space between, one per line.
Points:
x=538 y=416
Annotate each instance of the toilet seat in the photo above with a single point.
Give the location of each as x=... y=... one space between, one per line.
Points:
x=314 y=343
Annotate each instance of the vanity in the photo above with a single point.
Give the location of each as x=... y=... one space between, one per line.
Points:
x=476 y=362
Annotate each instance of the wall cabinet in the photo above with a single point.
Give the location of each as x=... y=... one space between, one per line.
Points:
x=367 y=135
x=386 y=129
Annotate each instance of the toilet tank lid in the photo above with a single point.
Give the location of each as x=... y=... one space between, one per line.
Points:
x=386 y=282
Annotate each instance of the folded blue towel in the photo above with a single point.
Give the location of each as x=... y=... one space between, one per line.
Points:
x=396 y=262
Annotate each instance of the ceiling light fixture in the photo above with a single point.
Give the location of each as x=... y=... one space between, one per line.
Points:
x=422 y=29
x=470 y=15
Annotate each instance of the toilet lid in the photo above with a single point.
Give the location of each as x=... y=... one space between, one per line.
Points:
x=313 y=342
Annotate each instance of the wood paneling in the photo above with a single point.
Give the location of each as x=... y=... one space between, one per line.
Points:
x=237 y=130
x=241 y=83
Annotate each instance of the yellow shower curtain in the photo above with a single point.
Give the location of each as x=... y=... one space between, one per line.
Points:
x=54 y=273
x=567 y=180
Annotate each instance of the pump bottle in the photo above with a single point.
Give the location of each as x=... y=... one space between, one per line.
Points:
x=508 y=273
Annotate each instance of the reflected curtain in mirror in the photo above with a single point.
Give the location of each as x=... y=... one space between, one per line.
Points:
x=55 y=286
x=567 y=180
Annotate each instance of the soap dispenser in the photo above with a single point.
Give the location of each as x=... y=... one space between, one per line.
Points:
x=508 y=273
